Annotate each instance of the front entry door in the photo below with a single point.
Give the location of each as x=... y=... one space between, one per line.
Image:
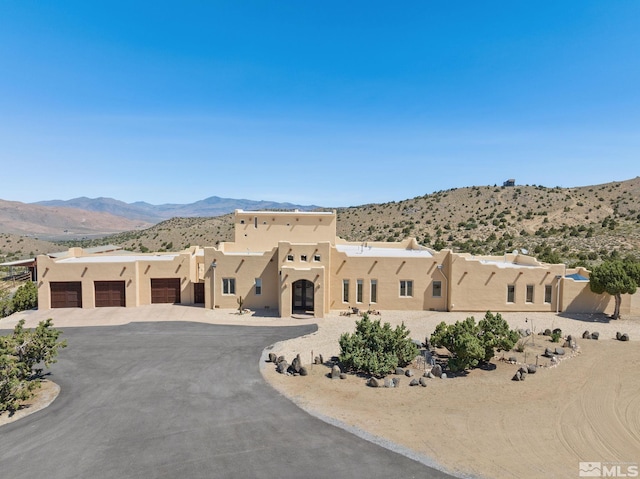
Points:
x=303 y=296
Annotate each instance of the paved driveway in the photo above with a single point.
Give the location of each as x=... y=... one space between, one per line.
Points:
x=182 y=400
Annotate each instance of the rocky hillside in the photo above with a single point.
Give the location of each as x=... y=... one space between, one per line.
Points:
x=583 y=224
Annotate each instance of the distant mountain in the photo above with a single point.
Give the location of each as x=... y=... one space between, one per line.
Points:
x=142 y=211
x=53 y=222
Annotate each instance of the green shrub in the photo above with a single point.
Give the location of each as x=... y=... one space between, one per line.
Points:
x=376 y=349
x=470 y=343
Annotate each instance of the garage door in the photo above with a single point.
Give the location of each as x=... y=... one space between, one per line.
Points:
x=66 y=294
x=165 y=290
x=109 y=293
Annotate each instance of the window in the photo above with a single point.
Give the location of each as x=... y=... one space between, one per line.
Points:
x=289 y=257
x=241 y=222
x=511 y=293
x=316 y=258
x=406 y=288
x=359 y=287
x=303 y=257
x=529 y=298
x=258 y=286
x=345 y=290
x=374 y=291
x=547 y=293
x=255 y=222
x=228 y=286
x=437 y=289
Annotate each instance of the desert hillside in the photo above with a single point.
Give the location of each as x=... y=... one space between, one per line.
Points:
x=575 y=225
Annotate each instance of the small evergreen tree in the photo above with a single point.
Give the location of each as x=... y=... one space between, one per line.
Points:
x=376 y=349
x=615 y=278
x=21 y=356
x=470 y=343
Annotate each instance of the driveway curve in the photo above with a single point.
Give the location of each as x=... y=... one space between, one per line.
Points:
x=182 y=400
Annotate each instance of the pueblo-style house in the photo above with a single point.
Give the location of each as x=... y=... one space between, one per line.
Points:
x=291 y=262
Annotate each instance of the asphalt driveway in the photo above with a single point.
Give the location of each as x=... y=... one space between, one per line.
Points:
x=182 y=400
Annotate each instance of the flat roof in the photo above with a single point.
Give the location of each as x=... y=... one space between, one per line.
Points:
x=119 y=258
x=291 y=212
x=377 y=252
x=20 y=262
x=507 y=264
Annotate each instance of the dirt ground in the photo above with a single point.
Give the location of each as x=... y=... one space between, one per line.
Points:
x=44 y=396
x=585 y=408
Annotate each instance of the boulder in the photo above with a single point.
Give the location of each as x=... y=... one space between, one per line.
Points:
x=399 y=371
x=436 y=370
x=548 y=353
x=586 y=335
x=423 y=382
x=516 y=376
x=335 y=372
x=408 y=373
x=280 y=359
x=624 y=337
x=414 y=382
x=388 y=383
x=618 y=334
x=430 y=375
x=513 y=359
x=559 y=351
x=443 y=376
x=303 y=371
x=272 y=358
x=396 y=382
x=532 y=368
x=547 y=332
x=296 y=364
x=375 y=382
x=282 y=367
x=595 y=335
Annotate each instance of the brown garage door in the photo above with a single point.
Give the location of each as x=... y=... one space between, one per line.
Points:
x=165 y=290
x=66 y=294
x=109 y=293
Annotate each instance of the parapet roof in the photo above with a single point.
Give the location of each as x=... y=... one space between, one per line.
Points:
x=282 y=213
x=377 y=252
x=129 y=258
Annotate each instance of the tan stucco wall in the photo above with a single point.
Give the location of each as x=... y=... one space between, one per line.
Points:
x=137 y=276
x=263 y=230
x=477 y=286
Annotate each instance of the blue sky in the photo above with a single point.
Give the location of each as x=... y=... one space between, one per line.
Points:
x=328 y=103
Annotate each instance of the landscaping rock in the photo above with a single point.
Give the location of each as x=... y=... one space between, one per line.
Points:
x=532 y=368
x=321 y=359
x=423 y=382
x=303 y=371
x=586 y=335
x=443 y=376
x=374 y=382
x=547 y=332
x=516 y=376
x=335 y=372
x=559 y=351
x=618 y=334
x=430 y=375
x=436 y=370
x=513 y=359
x=624 y=337
x=408 y=373
x=595 y=335
x=280 y=359
x=414 y=382
x=396 y=382
x=399 y=371
x=557 y=331
x=343 y=375
x=282 y=367
x=554 y=360
x=388 y=383
x=296 y=364
x=272 y=358
x=548 y=353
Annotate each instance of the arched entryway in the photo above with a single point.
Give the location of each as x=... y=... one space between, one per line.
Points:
x=302 y=301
